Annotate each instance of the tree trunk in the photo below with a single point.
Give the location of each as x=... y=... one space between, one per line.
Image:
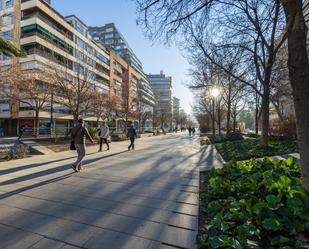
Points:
x=75 y=117
x=265 y=116
x=299 y=78
x=228 y=114
x=234 y=123
x=219 y=119
x=36 y=123
x=256 y=120
x=213 y=118
x=98 y=118
x=228 y=117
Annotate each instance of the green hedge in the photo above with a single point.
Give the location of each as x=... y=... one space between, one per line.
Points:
x=17 y=151
x=233 y=136
x=255 y=204
x=251 y=148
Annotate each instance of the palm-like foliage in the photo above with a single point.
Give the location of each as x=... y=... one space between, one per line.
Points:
x=8 y=49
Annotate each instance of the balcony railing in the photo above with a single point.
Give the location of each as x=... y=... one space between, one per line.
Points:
x=35 y=33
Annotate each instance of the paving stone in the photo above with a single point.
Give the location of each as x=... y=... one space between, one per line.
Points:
x=12 y=238
x=48 y=244
x=110 y=239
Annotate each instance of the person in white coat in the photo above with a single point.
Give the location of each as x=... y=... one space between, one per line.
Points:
x=104 y=134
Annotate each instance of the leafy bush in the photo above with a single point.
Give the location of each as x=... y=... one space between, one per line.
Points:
x=205 y=142
x=119 y=137
x=17 y=151
x=94 y=134
x=253 y=135
x=255 y=204
x=233 y=136
x=251 y=148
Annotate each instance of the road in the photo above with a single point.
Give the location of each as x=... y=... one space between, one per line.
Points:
x=146 y=198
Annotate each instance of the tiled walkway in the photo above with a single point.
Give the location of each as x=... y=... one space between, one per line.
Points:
x=147 y=198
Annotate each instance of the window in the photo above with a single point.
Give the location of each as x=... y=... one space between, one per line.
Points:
x=7 y=35
x=109 y=42
x=108 y=36
x=79 y=69
x=122 y=46
x=90 y=62
x=80 y=28
x=8 y=3
x=7 y=20
x=80 y=42
x=102 y=58
x=109 y=30
x=105 y=91
x=3 y=57
x=80 y=55
x=89 y=49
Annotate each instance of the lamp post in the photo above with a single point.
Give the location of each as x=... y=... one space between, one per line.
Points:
x=214 y=93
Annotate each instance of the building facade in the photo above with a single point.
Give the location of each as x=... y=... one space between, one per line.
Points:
x=50 y=39
x=163 y=91
x=108 y=35
x=176 y=110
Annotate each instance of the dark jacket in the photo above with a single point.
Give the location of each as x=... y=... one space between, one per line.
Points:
x=78 y=134
x=131 y=133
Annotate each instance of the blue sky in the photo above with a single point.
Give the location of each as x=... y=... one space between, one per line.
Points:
x=154 y=57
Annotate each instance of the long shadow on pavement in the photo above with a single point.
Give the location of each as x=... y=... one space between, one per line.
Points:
x=52 y=170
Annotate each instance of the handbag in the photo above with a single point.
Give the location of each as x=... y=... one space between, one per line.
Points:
x=109 y=139
x=72 y=144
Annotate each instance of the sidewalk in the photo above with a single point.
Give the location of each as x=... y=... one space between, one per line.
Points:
x=146 y=198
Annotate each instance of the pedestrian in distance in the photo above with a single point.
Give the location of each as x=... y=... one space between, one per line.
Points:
x=104 y=135
x=79 y=133
x=22 y=130
x=190 y=131
x=132 y=135
x=193 y=131
x=2 y=132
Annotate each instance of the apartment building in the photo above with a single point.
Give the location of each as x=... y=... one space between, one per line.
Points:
x=108 y=35
x=176 y=110
x=123 y=91
x=50 y=39
x=163 y=91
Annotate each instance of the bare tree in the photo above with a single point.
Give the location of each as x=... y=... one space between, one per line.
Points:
x=129 y=101
x=27 y=86
x=143 y=110
x=99 y=106
x=75 y=93
x=166 y=17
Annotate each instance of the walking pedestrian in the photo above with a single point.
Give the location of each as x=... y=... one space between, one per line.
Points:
x=193 y=131
x=132 y=135
x=2 y=132
x=79 y=134
x=22 y=130
x=190 y=131
x=104 y=134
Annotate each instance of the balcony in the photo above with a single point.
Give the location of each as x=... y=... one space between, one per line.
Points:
x=46 y=54
x=53 y=40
